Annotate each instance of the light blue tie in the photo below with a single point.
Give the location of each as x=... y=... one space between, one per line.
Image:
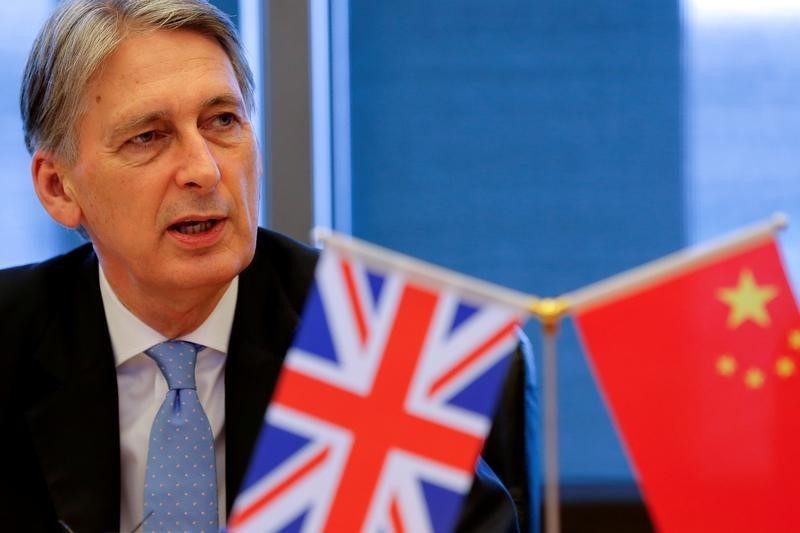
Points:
x=180 y=491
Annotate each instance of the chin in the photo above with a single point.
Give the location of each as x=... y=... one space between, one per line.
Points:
x=210 y=271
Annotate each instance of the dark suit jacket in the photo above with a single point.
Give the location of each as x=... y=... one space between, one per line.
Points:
x=58 y=394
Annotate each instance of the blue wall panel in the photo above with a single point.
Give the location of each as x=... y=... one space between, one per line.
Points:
x=536 y=144
x=231 y=7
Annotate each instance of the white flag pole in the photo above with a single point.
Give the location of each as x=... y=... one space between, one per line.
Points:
x=549 y=311
x=672 y=265
x=424 y=273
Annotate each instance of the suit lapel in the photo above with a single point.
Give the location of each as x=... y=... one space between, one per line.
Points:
x=73 y=418
x=73 y=413
x=263 y=327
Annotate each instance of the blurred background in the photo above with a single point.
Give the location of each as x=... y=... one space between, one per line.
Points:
x=539 y=144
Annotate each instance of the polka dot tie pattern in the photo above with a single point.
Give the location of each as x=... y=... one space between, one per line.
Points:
x=180 y=492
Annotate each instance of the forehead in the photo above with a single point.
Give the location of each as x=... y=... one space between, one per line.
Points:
x=161 y=67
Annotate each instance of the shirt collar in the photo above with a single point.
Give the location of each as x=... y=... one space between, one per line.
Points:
x=130 y=336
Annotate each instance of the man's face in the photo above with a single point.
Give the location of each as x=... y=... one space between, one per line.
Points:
x=167 y=172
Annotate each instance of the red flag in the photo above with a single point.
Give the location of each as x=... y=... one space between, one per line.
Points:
x=699 y=367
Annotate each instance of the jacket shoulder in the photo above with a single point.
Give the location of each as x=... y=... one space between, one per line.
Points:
x=291 y=262
x=27 y=291
x=284 y=249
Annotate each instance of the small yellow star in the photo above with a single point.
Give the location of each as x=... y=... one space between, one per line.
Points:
x=794 y=339
x=754 y=378
x=748 y=301
x=726 y=365
x=784 y=367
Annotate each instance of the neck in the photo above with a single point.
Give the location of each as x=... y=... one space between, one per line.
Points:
x=172 y=313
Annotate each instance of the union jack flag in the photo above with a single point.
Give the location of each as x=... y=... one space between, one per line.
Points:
x=382 y=407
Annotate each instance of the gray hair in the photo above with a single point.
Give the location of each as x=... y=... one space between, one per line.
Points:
x=80 y=35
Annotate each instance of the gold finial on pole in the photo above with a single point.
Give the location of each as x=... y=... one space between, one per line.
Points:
x=550 y=311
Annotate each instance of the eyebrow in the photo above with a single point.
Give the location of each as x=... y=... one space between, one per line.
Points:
x=224 y=99
x=137 y=122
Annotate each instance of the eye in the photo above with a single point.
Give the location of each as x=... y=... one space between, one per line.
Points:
x=224 y=120
x=143 y=139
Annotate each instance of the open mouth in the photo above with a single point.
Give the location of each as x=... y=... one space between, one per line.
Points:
x=194 y=227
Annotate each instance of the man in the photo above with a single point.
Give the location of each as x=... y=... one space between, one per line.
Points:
x=137 y=116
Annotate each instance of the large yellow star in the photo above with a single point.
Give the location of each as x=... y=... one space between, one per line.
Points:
x=748 y=300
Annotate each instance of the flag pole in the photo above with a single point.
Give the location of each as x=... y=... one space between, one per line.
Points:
x=549 y=311
x=673 y=264
x=422 y=272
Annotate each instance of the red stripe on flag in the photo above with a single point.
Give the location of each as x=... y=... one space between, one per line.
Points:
x=355 y=301
x=239 y=518
x=474 y=355
x=397 y=518
x=383 y=422
x=378 y=421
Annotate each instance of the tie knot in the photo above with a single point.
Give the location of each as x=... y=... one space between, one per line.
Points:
x=177 y=360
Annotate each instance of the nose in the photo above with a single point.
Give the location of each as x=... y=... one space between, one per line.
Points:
x=198 y=168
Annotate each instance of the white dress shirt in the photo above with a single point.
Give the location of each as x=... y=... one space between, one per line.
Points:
x=142 y=389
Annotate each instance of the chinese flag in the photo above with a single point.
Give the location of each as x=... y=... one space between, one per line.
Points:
x=700 y=369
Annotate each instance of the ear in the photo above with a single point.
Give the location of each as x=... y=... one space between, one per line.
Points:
x=53 y=189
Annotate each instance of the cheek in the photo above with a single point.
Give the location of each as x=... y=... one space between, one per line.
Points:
x=111 y=206
x=93 y=199
x=254 y=185
x=250 y=182
x=107 y=213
